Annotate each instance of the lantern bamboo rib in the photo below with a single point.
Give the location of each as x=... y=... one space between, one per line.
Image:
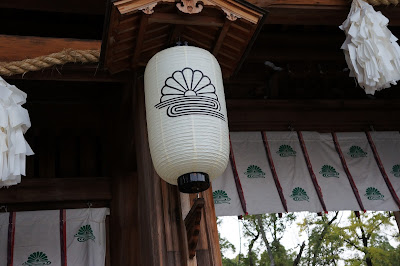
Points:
x=382 y=2
x=41 y=62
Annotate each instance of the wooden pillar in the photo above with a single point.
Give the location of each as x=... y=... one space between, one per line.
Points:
x=124 y=246
x=397 y=217
x=162 y=209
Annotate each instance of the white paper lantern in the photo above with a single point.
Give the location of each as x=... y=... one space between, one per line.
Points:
x=186 y=117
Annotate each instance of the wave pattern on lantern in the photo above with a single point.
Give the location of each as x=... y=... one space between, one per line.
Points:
x=190 y=92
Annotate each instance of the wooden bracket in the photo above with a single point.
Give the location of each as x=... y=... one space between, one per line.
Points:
x=192 y=223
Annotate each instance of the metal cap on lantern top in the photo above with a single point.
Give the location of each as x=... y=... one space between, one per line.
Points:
x=186 y=117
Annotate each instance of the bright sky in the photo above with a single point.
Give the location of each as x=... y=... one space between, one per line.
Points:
x=230 y=229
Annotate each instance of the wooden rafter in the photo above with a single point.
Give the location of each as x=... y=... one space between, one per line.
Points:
x=176 y=32
x=221 y=37
x=139 y=43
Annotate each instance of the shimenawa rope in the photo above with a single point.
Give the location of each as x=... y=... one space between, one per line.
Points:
x=382 y=2
x=41 y=62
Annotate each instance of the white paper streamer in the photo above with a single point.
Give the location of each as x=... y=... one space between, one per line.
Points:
x=370 y=49
x=14 y=122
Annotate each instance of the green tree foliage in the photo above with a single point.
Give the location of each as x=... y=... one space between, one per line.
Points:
x=273 y=229
x=324 y=239
x=367 y=234
x=332 y=239
x=224 y=244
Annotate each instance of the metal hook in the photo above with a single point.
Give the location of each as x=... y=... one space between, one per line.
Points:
x=89 y=204
x=179 y=43
x=4 y=207
x=291 y=128
x=371 y=127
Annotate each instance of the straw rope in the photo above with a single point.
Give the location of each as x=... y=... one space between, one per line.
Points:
x=41 y=62
x=382 y=2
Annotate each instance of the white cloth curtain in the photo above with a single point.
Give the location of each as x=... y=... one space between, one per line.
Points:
x=86 y=236
x=292 y=171
x=56 y=237
x=226 y=198
x=255 y=175
x=363 y=167
x=388 y=147
x=335 y=186
x=37 y=238
x=331 y=187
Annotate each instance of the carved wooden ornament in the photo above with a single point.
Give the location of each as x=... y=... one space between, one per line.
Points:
x=148 y=9
x=230 y=15
x=190 y=6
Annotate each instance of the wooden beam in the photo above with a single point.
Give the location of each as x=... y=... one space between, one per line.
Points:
x=313 y=115
x=96 y=7
x=56 y=205
x=74 y=72
x=316 y=12
x=307 y=15
x=15 y=48
x=268 y=3
x=292 y=45
x=57 y=190
x=186 y=20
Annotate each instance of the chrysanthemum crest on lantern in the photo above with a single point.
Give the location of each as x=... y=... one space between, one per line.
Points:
x=189 y=92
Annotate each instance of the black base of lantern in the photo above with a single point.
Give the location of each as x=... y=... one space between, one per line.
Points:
x=193 y=182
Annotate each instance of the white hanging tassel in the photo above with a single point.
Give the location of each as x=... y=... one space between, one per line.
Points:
x=370 y=49
x=14 y=122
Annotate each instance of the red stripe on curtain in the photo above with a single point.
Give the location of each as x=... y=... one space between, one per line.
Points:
x=237 y=180
x=11 y=238
x=274 y=174
x=382 y=169
x=63 y=237
x=311 y=171
x=346 y=169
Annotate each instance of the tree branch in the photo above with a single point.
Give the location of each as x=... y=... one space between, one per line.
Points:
x=298 y=257
x=260 y=224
